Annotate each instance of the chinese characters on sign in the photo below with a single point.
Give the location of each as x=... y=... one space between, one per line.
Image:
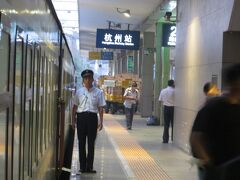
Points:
x=169 y=35
x=117 y=39
x=108 y=37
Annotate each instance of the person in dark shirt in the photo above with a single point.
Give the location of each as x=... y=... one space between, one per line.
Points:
x=215 y=136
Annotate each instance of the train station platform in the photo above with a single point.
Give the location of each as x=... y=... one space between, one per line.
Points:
x=134 y=154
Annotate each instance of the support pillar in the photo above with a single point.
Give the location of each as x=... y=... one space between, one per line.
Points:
x=135 y=60
x=158 y=74
x=147 y=74
x=124 y=61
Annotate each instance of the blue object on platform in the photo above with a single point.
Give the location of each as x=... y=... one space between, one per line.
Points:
x=152 y=121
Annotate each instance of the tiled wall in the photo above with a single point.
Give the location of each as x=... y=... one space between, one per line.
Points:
x=200 y=30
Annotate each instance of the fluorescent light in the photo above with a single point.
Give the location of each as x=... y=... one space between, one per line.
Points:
x=126 y=12
x=172 y=5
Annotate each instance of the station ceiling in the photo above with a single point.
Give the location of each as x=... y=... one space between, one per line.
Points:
x=81 y=18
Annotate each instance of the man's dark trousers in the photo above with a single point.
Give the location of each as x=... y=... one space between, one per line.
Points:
x=86 y=129
x=129 y=115
x=168 y=118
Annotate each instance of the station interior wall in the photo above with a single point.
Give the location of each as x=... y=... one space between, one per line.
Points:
x=199 y=50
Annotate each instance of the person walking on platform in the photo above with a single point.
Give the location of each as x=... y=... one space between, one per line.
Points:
x=87 y=102
x=215 y=134
x=167 y=98
x=131 y=96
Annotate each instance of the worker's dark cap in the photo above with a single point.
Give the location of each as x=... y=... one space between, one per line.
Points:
x=87 y=72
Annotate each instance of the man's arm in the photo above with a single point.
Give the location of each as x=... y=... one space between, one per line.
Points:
x=100 y=111
x=125 y=96
x=160 y=96
x=130 y=98
x=198 y=145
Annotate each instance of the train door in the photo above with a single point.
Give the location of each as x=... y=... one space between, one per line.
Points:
x=5 y=100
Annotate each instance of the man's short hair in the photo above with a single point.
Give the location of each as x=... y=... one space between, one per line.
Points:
x=87 y=72
x=207 y=86
x=171 y=83
x=134 y=84
x=232 y=73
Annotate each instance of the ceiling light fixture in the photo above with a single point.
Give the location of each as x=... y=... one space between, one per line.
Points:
x=124 y=12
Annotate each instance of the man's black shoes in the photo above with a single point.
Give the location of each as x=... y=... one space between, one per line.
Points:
x=91 y=171
x=88 y=171
x=82 y=170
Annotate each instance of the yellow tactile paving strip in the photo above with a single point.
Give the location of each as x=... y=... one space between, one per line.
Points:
x=142 y=165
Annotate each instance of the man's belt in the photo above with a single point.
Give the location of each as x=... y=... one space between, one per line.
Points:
x=87 y=112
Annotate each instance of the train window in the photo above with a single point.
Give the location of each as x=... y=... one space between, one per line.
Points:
x=41 y=100
x=45 y=100
x=27 y=139
x=27 y=117
x=51 y=100
x=38 y=104
x=4 y=54
x=4 y=100
x=3 y=125
x=18 y=107
x=28 y=67
x=33 y=107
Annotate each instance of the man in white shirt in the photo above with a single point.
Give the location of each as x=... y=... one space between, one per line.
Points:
x=167 y=98
x=131 y=96
x=88 y=101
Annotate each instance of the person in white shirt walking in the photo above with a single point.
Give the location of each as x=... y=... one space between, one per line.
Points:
x=167 y=98
x=131 y=96
x=88 y=101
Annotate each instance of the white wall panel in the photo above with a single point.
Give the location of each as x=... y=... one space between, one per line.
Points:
x=198 y=56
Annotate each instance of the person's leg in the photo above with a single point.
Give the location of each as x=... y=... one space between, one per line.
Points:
x=91 y=135
x=132 y=110
x=128 y=117
x=166 y=124
x=81 y=131
x=172 y=120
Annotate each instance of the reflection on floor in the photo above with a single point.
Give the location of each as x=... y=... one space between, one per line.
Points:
x=135 y=154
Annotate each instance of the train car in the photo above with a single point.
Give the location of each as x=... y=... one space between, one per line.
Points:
x=36 y=72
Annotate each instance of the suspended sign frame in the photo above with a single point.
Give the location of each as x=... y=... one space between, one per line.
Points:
x=118 y=39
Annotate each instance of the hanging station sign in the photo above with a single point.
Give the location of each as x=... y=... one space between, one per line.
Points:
x=130 y=64
x=100 y=55
x=169 y=35
x=94 y=55
x=117 y=39
x=107 y=55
